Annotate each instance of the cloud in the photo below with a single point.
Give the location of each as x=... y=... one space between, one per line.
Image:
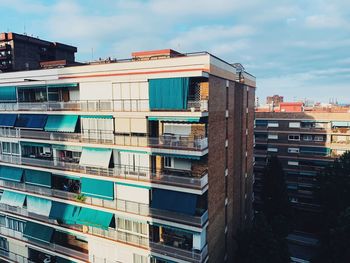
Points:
x=324 y=21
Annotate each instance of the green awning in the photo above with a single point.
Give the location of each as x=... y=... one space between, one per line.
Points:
x=38 y=232
x=175 y=119
x=39 y=206
x=63 y=260
x=134 y=185
x=72 y=148
x=11 y=173
x=61 y=123
x=40 y=178
x=97 y=188
x=94 y=218
x=96 y=157
x=178 y=156
x=35 y=144
x=64 y=213
x=8 y=94
x=97 y=117
x=63 y=85
x=12 y=199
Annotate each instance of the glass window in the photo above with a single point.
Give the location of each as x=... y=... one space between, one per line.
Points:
x=294 y=137
x=307 y=137
x=319 y=138
x=273 y=124
x=6 y=147
x=15 y=224
x=15 y=148
x=140 y=259
x=168 y=162
x=293 y=150
x=294 y=125
x=4 y=244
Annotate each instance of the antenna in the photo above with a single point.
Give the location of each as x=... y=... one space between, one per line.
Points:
x=24 y=29
x=92 y=54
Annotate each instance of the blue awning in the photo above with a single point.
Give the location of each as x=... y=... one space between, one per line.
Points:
x=95 y=218
x=175 y=119
x=96 y=157
x=39 y=206
x=38 y=232
x=12 y=199
x=39 y=178
x=11 y=173
x=168 y=93
x=61 y=123
x=31 y=121
x=97 y=188
x=8 y=94
x=174 y=201
x=8 y=120
x=64 y=213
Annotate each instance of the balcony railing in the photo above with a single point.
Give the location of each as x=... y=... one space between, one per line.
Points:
x=50 y=246
x=107 y=137
x=194 y=256
x=132 y=105
x=119 y=171
x=117 y=204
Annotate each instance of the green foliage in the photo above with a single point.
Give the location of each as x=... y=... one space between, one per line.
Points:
x=80 y=198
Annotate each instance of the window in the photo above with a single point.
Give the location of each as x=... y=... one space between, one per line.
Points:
x=307 y=137
x=4 y=244
x=2 y=220
x=293 y=163
x=273 y=136
x=168 y=162
x=15 y=148
x=15 y=224
x=273 y=124
x=139 y=259
x=293 y=150
x=126 y=225
x=270 y=149
x=319 y=138
x=294 y=137
x=6 y=147
x=294 y=125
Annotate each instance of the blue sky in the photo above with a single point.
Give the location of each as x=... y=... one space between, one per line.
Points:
x=295 y=48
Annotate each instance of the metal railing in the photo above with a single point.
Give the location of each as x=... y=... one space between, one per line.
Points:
x=125 y=105
x=107 y=137
x=119 y=236
x=117 y=204
x=120 y=171
x=50 y=246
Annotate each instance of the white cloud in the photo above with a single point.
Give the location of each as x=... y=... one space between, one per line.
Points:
x=324 y=21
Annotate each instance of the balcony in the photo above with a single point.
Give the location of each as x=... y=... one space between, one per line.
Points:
x=119 y=236
x=5 y=47
x=132 y=105
x=50 y=246
x=107 y=137
x=192 y=180
x=117 y=204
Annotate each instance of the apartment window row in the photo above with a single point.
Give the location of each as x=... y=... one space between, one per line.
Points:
x=126 y=225
x=293 y=150
x=306 y=137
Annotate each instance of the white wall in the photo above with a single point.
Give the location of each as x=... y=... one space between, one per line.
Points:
x=134 y=194
x=181 y=129
x=74 y=94
x=95 y=90
x=131 y=95
x=18 y=248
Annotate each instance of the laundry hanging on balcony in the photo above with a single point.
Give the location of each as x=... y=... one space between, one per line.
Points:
x=168 y=93
x=61 y=123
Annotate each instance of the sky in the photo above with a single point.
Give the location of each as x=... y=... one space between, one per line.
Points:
x=298 y=49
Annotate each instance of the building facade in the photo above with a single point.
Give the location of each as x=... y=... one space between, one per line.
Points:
x=306 y=142
x=22 y=52
x=146 y=160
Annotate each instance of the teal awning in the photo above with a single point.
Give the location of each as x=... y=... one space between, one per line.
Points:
x=96 y=157
x=35 y=144
x=175 y=119
x=12 y=199
x=178 y=156
x=72 y=148
x=35 y=177
x=168 y=93
x=11 y=173
x=39 y=206
x=94 y=218
x=38 y=232
x=340 y=124
x=63 y=260
x=61 y=123
x=134 y=185
x=64 y=213
x=97 y=188
x=63 y=85
x=97 y=117
x=8 y=94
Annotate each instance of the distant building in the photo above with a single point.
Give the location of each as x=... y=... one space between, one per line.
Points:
x=22 y=52
x=274 y=100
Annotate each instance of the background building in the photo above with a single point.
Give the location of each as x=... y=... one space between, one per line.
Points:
x=22 y=52
x=274 y=100
x=306 y=141
x=148 y=160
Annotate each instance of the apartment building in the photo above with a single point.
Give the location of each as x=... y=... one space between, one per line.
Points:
x=306 y=141
x=23 y=52
x=144 y=160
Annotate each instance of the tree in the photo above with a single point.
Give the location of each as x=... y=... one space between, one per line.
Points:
x=275 y=202
x=260 y=245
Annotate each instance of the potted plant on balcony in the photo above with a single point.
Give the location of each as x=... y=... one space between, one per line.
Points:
x=80 y=198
